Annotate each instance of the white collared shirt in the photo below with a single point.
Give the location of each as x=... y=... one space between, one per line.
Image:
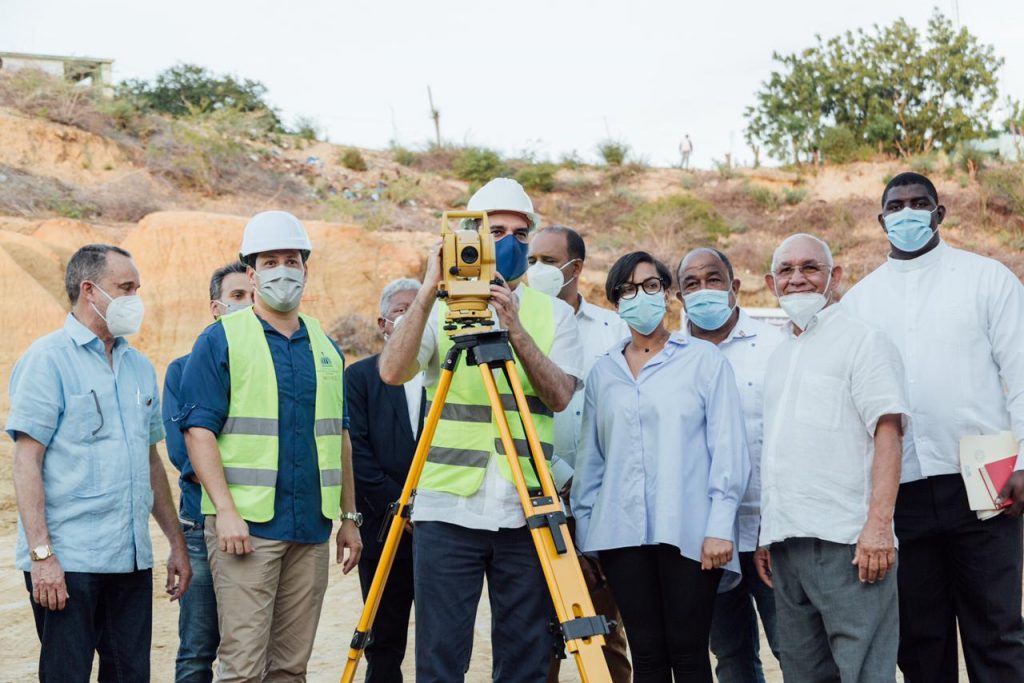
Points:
x=413 y=396
x=599 y=330
x=824 y=393
x=748 y=349
x=958 y=320
x=495 y=505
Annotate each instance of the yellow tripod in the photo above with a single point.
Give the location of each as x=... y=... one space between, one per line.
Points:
x=581 y=628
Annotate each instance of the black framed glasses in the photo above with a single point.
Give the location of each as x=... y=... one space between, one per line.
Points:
x=628 y=290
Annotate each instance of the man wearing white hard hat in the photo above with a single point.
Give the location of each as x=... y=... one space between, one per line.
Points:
x=467 y=519
x=264 y=418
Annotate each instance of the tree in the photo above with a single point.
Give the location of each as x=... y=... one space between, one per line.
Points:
x=189 y=89
x=892 y=88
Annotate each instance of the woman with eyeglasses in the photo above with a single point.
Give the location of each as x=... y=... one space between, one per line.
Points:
x=660 y=474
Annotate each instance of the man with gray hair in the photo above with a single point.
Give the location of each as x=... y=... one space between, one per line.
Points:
x=85 y=419
x=834 y=412
x=385 y=422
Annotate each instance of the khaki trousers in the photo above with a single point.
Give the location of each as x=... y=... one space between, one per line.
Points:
x=268 y=607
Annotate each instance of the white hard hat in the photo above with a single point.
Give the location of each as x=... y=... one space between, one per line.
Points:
x=274 y=231
x=503 y=194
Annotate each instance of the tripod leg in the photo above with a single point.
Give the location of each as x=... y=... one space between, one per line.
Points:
x=582 y=628
x=397 y=528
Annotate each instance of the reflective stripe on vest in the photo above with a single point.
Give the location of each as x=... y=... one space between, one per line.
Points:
x=467 y=434
x=248 y=441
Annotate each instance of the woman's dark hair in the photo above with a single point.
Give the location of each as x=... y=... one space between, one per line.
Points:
x=623 y=270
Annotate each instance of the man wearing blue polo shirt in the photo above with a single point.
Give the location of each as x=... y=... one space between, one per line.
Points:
x=265 y=426
x=230 y=291
x=85 y=419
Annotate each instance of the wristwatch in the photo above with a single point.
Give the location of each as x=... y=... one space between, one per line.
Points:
x=41 y=552
x=356 y=517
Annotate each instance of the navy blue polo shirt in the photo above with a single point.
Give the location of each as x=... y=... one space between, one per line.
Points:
x=170 y=406
x=205 y=394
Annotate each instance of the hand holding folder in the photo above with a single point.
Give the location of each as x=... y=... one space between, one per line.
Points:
x=986 y=464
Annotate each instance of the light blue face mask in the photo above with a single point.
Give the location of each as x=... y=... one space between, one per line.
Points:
x=708 y=309
x=643 y=312
x=909 y=229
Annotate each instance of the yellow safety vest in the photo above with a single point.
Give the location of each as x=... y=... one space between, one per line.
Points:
x=248 y=442
x=467 y=434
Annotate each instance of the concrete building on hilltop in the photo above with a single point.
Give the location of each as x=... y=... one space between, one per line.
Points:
x=88 y=71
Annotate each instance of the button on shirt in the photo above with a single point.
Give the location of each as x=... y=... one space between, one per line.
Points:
x=958 y=320
x=205 y=394
x=495 y=505
x=97 y=424
x=825 y=391
x=599 y=330
x=663 y=457
x=191 y=492
x=748 y=348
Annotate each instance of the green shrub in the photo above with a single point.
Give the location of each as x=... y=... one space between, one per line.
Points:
x=679 y=213
x=403 y=155
x=478 y=165
x=763 y=196
x=352 y=158
x=839 y=145
x=402 y=190
x=923 y=164
x=570 y=160
x=1007 y=185
x=613 y=152
x=306 y=128
x=792 y=196
x=970 y=159
x=537 y=177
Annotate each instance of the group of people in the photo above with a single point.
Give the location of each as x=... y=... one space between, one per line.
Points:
x=717 y=475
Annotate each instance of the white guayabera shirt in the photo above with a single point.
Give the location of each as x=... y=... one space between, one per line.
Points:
x=958 y=320
x=824 y=393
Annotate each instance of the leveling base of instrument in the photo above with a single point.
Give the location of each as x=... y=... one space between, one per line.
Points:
x=582 y=629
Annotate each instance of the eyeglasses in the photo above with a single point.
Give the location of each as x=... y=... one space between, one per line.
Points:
x=809 y=269
x=628 y=290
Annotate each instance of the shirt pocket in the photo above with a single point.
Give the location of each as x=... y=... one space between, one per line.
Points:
x=819 y=401
x=83 y=418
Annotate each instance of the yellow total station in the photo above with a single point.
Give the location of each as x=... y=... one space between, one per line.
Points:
x=467 y=271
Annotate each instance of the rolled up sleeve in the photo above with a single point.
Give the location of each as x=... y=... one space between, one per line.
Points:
x=206 y=383
x=37 y=398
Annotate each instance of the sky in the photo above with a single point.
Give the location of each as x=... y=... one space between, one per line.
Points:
x=546 y=78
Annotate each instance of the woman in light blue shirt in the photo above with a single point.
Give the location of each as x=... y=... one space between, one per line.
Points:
x=660 y=474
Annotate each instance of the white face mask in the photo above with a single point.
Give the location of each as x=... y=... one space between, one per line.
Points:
x=547 y=278
x=803 y=306
x=281 y=288
x=232 y=307
x=124 y=314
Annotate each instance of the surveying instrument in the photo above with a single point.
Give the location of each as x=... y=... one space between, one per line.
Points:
x=467 y=259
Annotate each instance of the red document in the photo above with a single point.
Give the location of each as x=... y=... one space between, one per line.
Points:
x=995 y=475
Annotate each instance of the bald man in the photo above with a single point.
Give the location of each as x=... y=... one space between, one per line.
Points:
x=709 y=290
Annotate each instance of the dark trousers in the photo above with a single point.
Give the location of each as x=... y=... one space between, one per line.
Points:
x=666 y=601
x=111 y=614
x=956 y=569
x=735 y=639
x=386 y=649
x=198 y=635
x=449 y=564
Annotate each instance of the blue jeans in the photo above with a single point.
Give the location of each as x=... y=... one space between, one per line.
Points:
x=449 y=565
x=734 y=636
x=197 y=620
x=109 y=614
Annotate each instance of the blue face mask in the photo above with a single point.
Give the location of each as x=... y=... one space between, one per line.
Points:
x=708 y=309
x=909 y=229
x=510 y=257
x=643 y=312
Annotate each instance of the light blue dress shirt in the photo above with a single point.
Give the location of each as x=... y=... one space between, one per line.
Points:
x=97 y=424
x=664 y=456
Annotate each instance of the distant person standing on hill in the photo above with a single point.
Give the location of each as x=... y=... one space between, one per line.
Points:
x=958 y=320
x=685 y=150
x=85 y=419
x=230 y=291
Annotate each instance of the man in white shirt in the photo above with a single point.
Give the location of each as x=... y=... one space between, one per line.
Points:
x=709 y=289
x=467 y=515
x=958 y=320
x=557 y=256
x=833 y=413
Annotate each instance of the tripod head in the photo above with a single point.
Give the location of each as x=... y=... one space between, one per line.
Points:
x=467 y=271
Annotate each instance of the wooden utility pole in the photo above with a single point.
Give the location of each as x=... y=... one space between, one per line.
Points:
x=436 y=115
